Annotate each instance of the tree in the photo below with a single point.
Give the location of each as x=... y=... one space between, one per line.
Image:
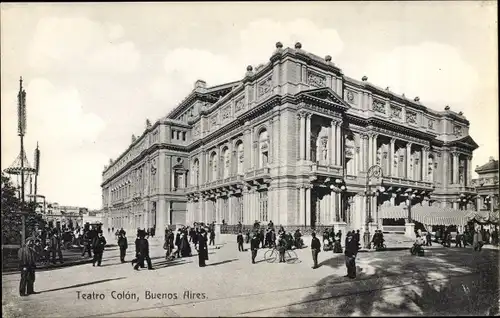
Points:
x=11 y=219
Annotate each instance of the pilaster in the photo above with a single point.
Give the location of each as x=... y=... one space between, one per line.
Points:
x=308 y=137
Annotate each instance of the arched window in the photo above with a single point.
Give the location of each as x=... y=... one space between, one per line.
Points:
x=213 y=166
x=240 y=157
x=226 y=162
x=263 y=148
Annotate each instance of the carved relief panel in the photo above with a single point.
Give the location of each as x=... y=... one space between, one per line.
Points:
x=378 y=106
x=395 y=112
x=457 y=131
x=351 y=97
x=226 y=113
x=411 y=117
x=239 y=105
x=265 y=86
x=214 y=121
x=316 y=79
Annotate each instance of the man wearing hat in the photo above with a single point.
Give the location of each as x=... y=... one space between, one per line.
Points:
x=351 y=251
x=55 y=246
x=27 y=265
x=98 y=247
x=315 y=248
x=254 y=246
x=142 y=245
x=202 y=248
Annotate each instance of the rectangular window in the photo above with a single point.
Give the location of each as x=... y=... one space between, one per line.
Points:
x=173 y=134
x=183 y=136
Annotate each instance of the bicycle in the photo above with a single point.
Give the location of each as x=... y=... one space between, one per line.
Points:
x=272 y=254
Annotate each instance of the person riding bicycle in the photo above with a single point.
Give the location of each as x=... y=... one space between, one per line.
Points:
x=298 y=239
x=282 y=245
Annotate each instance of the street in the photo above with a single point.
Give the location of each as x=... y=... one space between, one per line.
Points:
x=449 y=281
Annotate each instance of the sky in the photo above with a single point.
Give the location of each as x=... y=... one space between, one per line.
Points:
x=94 y=73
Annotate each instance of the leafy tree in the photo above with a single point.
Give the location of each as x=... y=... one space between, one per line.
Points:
x=11 y=220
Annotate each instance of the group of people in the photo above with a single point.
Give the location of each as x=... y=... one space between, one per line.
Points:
x=200 y=235
x=351 y=248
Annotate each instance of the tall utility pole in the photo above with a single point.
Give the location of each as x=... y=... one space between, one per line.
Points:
x=21 y=128
x=37 y=168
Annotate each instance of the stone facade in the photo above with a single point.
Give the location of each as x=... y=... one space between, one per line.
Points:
x=487 y=186
x=292 y=143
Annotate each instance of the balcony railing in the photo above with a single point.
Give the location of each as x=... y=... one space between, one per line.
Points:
x=316 y=167
x=408 y=182
x=258 y=173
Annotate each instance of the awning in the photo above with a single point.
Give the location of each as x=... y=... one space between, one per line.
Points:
x=485 y=217
x=430 y=215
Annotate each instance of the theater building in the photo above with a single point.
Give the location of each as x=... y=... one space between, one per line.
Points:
x=290 y=142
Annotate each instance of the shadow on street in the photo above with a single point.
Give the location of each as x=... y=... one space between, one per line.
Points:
x=83 y=284
x=463 y=283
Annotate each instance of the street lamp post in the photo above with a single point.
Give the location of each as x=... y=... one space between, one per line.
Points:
x=373 y=171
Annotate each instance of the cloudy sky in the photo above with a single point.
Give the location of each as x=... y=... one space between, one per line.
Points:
x=94 y=72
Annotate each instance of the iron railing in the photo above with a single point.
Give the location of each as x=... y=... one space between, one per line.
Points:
x=305 y=230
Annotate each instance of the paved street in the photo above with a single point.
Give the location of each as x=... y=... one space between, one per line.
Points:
x=444 y=282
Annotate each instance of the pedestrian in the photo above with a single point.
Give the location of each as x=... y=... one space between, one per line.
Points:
x=178 y=244
x=212 y=237
x=351 y=251
x=142 y=246
x=202 y=248
x=123 y=244
x=428 y=238
x=239 y=240
x=55 y=247
x=458 y=240
x=477 y=241
x=86 y=243
x=282 y=247
x=254 y=246
x=27 y=265
x=315 y=248
x=98 y=247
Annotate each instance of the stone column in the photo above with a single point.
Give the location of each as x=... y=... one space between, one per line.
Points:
x=331 y=150
x=339 y=144
x=391 y=158
x=375 y=149
x=478 y=203
x=302 y=140
x=230 y=218
x=393 y=199
x=408 y=155
x=252 y=150
x=302 y=205
x=365 y=152
x=425 y=164
x=308 y=205
x=455 y=168
x=370 y=150
x=469 y=171
x=247 y=150
x=308 y=137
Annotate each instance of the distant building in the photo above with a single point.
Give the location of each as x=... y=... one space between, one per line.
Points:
x=487 y=186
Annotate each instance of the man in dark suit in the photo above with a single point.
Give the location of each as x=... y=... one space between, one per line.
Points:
x=239 y=240
x=351 y=251
x=315 y=248
x=98 y=247
x=254 y=246
x=202 y=248
x=123 y=244
x=142 y=246
x=27 y=265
